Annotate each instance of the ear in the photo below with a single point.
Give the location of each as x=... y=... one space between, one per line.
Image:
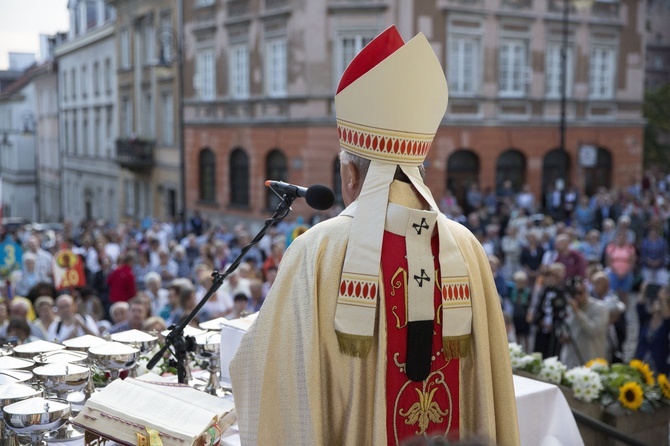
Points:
x=353 y=176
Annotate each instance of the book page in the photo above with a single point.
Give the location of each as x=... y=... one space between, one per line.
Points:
x=141 y=403
x=189 y=395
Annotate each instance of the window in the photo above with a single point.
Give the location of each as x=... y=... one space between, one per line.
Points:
x=167 y=108
x=348 y=47
x=84 y=81
x=86 y=147
x=126 y=116
x=75 y=134
x=129 y=195
x=64 y=86
x=463 y=65
x=204 y=2
x=554 y=70
x=204 y=79
x=109 y=129
x=96 y=79
x=73 y=81
x=98 y=136
x=511 y=165
x=601 y=72
x=462 y=172
x=126 y=61
x=513 y=69
x=66 y=132
x=148 y=41
x=166 y=36
x=149 y=117
x=239 y=178
x=207 y=174
x=275 y=67
x=239 y=71
x=108 y=76
x=275 y=169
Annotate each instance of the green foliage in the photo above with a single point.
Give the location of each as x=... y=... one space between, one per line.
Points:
x=657 y=130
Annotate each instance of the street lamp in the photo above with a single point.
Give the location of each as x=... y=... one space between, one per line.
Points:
x=170 y=40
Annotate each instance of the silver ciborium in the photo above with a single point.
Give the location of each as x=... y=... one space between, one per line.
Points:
x=36 y=417
x=10 y=394
x=113 y=357
x=145 y=342
x=36 y=347
x=13 y=363
x=15 y=376
x=208 y=347
x=63 y=379
x=82 y=344
x=55 y=357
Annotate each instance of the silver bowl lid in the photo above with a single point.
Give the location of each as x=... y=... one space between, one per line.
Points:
x=112 y=348
x=14 y=376
x=60 y=369
x=188 y=331
x=37 y=347
x=12 y=363
x=208 y=338
x=85 y=341
x=214 y=324
x=36 y=406
x=133 y=336
x=60 y=356
x=16 y=391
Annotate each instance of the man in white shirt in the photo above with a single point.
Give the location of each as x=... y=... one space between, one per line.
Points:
x=72 y=324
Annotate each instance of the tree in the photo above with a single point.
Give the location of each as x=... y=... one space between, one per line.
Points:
x=657 y=130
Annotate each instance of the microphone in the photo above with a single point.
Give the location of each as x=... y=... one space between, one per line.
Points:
x=319 y=197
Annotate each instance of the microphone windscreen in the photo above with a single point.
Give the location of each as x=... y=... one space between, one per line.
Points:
x=320 y=197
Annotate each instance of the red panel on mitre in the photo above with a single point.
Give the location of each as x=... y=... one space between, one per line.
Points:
x=374 y=52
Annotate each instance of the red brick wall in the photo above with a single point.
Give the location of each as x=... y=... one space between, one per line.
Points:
x=317 y=147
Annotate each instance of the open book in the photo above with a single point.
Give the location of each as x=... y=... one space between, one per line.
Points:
x=181 y=415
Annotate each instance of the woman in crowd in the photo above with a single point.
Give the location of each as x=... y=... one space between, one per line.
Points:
x=654 y=316
x=620 y=259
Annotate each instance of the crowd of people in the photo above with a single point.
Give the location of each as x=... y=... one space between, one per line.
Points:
x=566 y=267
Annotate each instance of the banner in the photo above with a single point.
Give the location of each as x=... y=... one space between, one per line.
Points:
x=68 y=270
x=11 y=254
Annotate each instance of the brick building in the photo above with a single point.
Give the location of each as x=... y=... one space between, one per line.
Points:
x=264 y=74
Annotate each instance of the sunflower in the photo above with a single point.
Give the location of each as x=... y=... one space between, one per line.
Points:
x=644 y=370
x=631 y=395
x=665 y=385
x=595 y=361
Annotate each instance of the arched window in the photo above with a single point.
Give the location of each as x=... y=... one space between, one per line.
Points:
x=239 y=178
x=599 y=175
x=337 y=181
x=275 y=169
x=511 y=166
x=555 y=167
x=462 y=171
x=207 y=175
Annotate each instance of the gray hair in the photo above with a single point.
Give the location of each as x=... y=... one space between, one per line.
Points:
x=363 y=164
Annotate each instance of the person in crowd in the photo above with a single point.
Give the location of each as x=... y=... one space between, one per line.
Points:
x=30 y=276
x=277 y=249
x=137 y=314
x=624 y=226
x=181 y=260
x=654 y=316
x=606 y=209
x=156 y=324
x=100 y=285
x=89 y=303
x=167 y=268
x=573 y=260
x=473 y=199
x=157 y=294
x=591 y=247
x=607 y=233
x=270 y=276
x=220 y=303
x=547 y=310
x=121 y=281
x=511 y=249
x=585 y=334
x=345 y=286
x=240 y=306
x=141 y=268
x=22 y=308
x=44 y=306
x=531 y=256
x=654 y=258
x=498 y=278
x=256 y=297
x=71 y=324
x=42 y=257
x=584 y=215
x=235 y=284
x=519 y=302
x=19 y=332
x=620 y=258
x=4 y=312
x=526 y=199
x=119 y=312
x=187 y=302
x=616 y=332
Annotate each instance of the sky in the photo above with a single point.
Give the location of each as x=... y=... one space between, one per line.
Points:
x=22 y=21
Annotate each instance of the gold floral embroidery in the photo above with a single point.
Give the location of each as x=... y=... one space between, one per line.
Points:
x=423 y=411
x=395 y=285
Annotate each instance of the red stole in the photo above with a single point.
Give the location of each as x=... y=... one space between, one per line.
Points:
x=428 y=408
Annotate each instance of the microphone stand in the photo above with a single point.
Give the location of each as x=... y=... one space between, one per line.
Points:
x=181 y=344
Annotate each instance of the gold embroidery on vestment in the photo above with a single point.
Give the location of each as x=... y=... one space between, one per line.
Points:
x=397 y=284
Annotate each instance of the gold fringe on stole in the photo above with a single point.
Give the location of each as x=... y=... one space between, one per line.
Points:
x=354 y=345
x=456 y=346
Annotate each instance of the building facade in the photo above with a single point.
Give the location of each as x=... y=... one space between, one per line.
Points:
x=260 y=104
x=658 y=43
x=88 y=119
x=148 y=44
x=18 y=142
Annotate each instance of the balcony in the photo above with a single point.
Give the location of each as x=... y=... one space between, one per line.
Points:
x=135 y=154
